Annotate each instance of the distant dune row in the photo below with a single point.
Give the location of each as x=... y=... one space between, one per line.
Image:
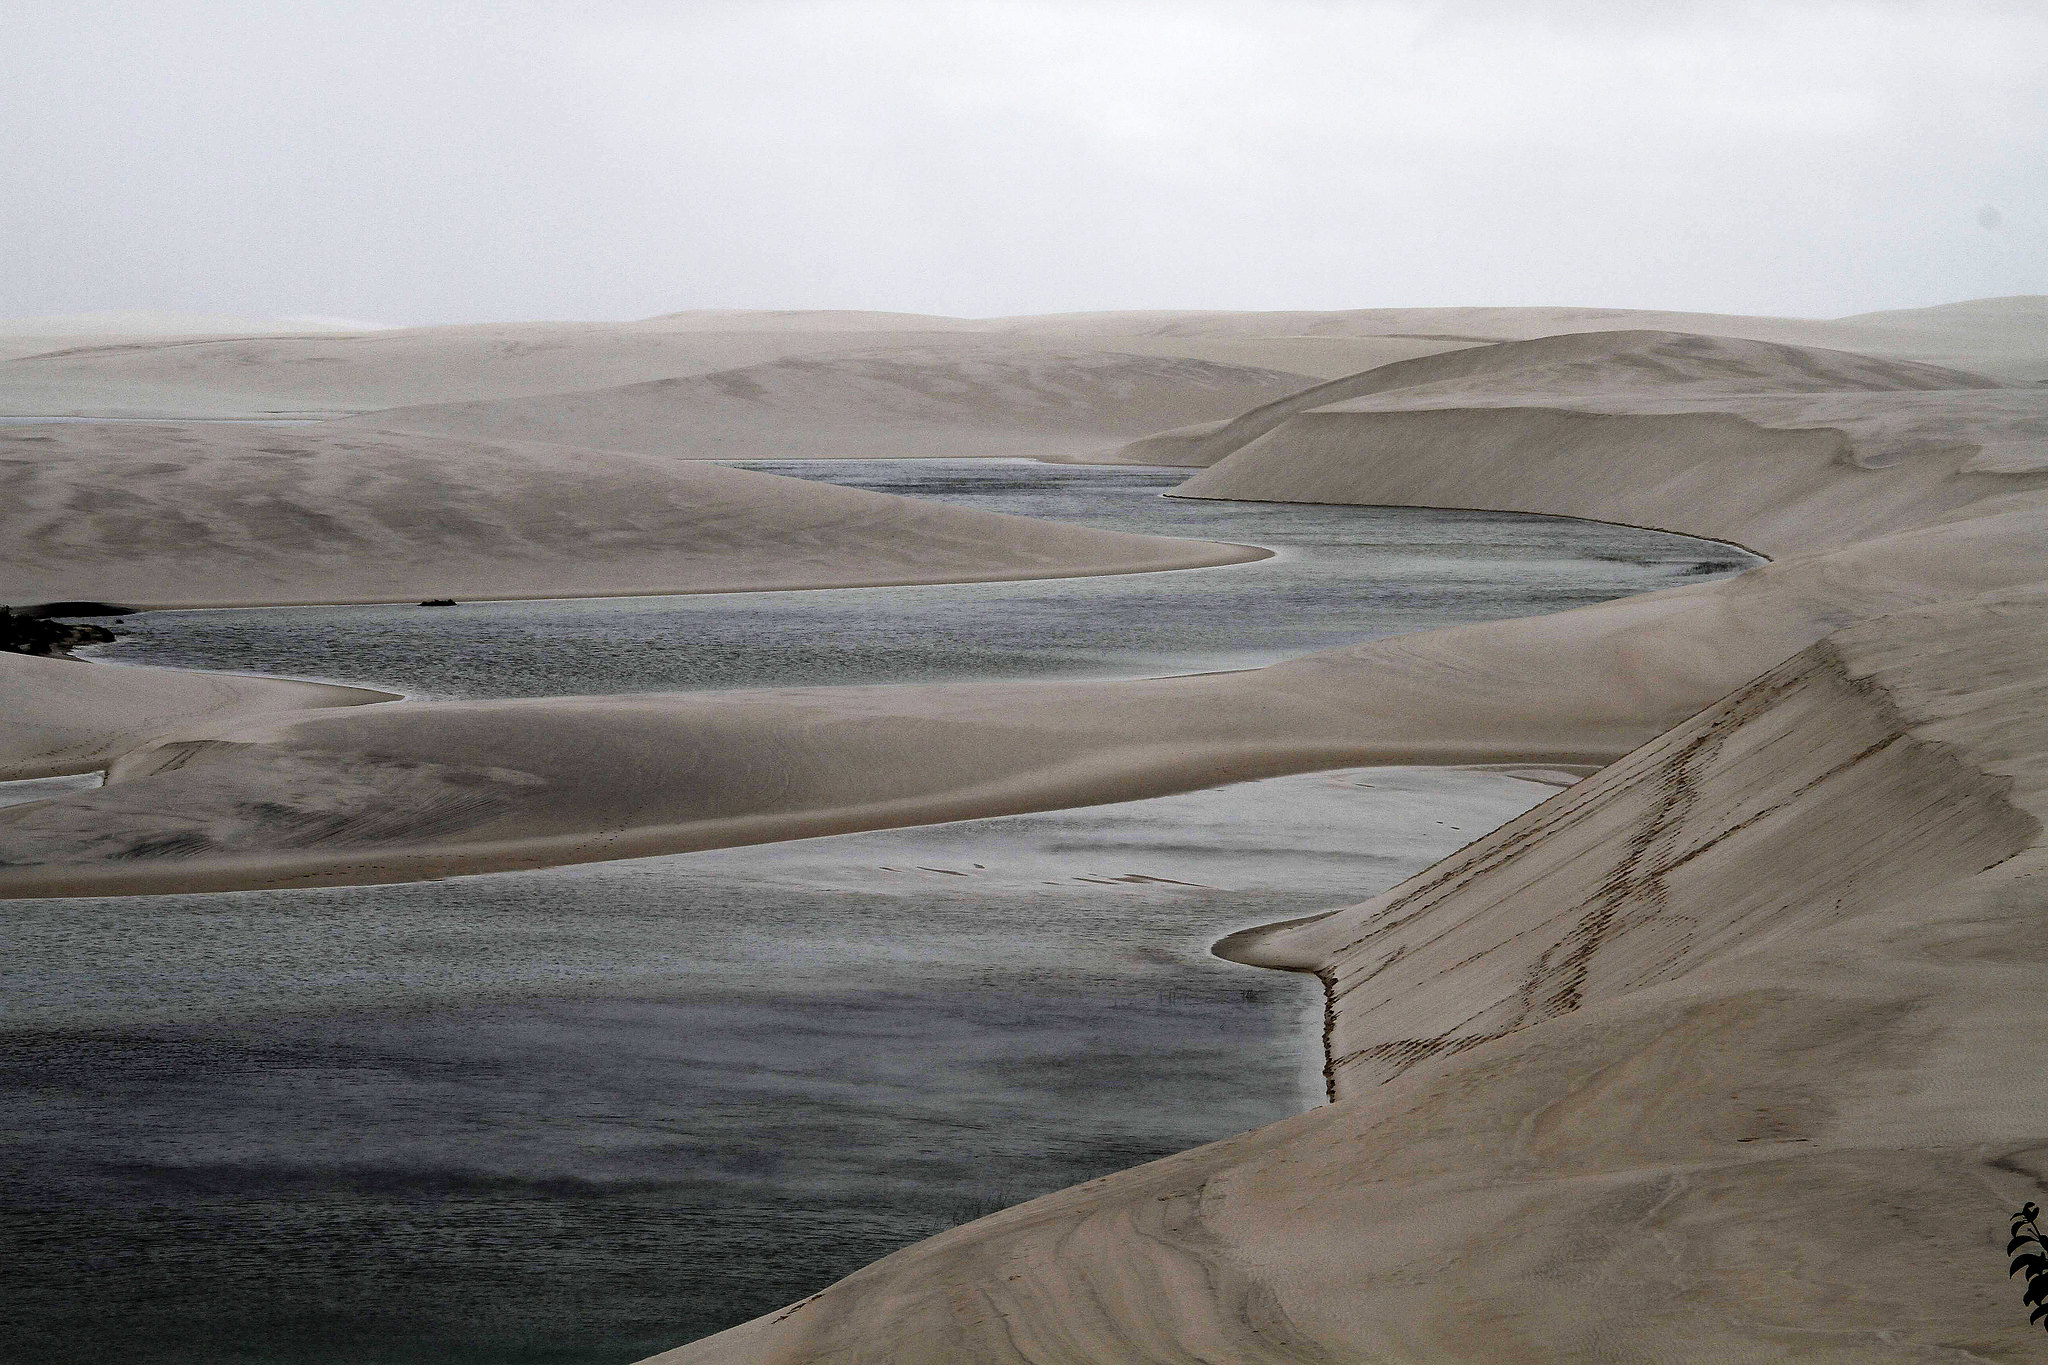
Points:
x=1729 y=1052
x=183 y=514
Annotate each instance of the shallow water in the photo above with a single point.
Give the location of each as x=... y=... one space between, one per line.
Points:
x=1343 y=574
x=587 y=1113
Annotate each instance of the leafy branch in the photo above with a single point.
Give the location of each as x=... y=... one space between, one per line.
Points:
x=2030 y=1253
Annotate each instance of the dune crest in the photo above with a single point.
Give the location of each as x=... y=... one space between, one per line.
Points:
x=1705 y=1058
x=1727 y=1052
x=1723 y=1053
x=192 y=515
x=1575 y=366
x=953 y=401
x=62 y=716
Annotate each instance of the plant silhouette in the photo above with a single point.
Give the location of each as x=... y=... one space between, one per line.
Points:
x=2030 y=1253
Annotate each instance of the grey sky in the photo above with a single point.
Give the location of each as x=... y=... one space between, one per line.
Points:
x=430 y=162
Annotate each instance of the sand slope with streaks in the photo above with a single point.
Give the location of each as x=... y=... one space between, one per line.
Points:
x=194 y=515
x=1727 y=1053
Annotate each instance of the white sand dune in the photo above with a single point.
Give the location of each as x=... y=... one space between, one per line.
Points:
x=1729 y=1052
x=952 y=402
x=1793 y=449
x=1575 y=367
x=60 y=716
x=1999 y=337
x=423 y=790
x=156 y=372
x=350 y=373
x=312 y=372
x=191 y=515
x=1584 y=686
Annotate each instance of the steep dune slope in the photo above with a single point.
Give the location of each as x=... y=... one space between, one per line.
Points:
x=1722 y=1055
x=160 y=515
x=1805 y=797
x=1730 y=1052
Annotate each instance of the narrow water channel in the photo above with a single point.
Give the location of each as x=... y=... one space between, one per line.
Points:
x=1342 y=574
x=583 y=1114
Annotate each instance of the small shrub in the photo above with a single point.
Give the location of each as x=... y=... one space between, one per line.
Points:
x=2030 y=1253
x=24 y=634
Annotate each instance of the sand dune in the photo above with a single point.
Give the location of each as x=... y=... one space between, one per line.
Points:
x=953 y=401
x=1582 y=686
x=1780 y=449
x=62 y=716
x=1773 y=488
x=1624 y=366
x=422 y=790
x=1999 y=337
x=152 y=373
x=1725 y=1054
x=160 y=323
x=160 y=515
x=338 y=375
x=318 y=373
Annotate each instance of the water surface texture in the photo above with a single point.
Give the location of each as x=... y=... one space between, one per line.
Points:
x=1344 y=574
x=586 y=1113
x=583 y=1114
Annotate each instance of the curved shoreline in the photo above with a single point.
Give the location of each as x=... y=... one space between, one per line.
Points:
x=529 y=798
x=1745 y=1004
x=1243 y=553
x=1749 y=550
x=1726 y=1052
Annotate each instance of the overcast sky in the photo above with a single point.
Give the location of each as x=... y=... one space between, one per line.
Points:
x=444 y=162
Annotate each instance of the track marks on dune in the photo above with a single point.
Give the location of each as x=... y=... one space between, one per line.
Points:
x=1650 y=871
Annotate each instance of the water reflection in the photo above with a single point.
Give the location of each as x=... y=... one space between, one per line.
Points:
x=1345 y=574
x=586 y=1113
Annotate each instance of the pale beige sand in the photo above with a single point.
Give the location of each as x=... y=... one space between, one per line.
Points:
x=318 y=372
x=1999 y=337
x=1729 y=1053
x=67 y=716
x=1725 y=1053
x=143 y=322
x=1581 y=369
x=1582 y=686
x=420 y=790
x=195 y=515
x=327 y=374
x=949 y=401
x=1781 y=449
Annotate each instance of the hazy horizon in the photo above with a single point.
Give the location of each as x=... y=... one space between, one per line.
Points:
x=623 y=159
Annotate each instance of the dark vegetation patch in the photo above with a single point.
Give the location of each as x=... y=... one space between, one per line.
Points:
x=22 y=633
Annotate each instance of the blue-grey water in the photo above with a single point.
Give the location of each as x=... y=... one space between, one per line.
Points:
x=1343 y=574
x=582 y=1114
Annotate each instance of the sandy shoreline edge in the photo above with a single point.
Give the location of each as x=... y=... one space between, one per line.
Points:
x=1725 y=1052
